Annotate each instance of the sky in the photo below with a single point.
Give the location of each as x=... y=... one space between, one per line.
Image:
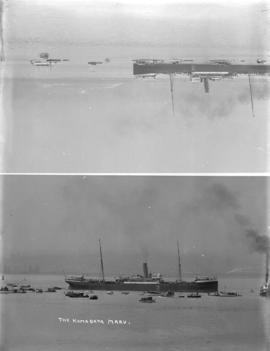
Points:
x=55 y=222
x=77 y=118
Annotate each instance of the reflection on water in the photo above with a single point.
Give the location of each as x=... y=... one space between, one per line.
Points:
x=266 y=318
x=94 y=125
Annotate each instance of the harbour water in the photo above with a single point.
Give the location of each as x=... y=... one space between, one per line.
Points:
x=124 y=124
x=52 y=321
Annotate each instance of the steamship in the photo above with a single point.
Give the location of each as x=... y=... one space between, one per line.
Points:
x=148 y=282
x=265 y=288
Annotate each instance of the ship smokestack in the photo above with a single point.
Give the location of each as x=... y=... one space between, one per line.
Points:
x=206 y=85
x=145 y=270
x=267 y=266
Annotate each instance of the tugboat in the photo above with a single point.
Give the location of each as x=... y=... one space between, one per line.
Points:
x=265 y=288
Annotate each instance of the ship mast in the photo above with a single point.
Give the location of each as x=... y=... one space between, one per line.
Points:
x=251 y=97
x=267 y=266
x=179 y=263
x=101 y=261
x=171 y=88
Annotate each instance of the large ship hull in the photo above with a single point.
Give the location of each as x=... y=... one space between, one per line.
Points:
x=203 y=68
x=207 y=286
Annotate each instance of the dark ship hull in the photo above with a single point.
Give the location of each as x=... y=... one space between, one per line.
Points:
x=206 y=68
x=201 y=286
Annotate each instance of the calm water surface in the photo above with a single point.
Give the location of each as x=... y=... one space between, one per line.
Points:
x=32 y=321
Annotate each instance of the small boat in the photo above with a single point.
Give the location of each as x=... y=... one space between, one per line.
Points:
x=24 y=286
x=147 y=299
x=53 y=60
x=125 y=292
x=110 y=292
x=44 y=55
x=167 y=294
x=194 y=296
x=228 y=294
x=40 y=63
x=51 y=290
x=57 y=288
x=153 y=292
x=21 y=291
x=94 y=63
x=260 y=60
x=93 y=297
x=181 y=296
x=75 y=294
x=18 y=291
x=39 y=291
x=4 y=288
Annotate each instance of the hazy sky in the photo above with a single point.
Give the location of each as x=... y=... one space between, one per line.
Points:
x=55 y=222
x=77 y=118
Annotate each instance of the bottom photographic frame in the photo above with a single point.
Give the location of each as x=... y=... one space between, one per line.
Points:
x=134 y=262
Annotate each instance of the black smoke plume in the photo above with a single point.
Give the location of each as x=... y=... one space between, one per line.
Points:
x=261 y=244
x=258 y=243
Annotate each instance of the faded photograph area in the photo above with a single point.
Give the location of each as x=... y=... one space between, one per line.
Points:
x=135 y=86
x=135 y=263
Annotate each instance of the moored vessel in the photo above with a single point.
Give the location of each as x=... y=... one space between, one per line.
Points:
x=265 y=288
x=148 y=282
